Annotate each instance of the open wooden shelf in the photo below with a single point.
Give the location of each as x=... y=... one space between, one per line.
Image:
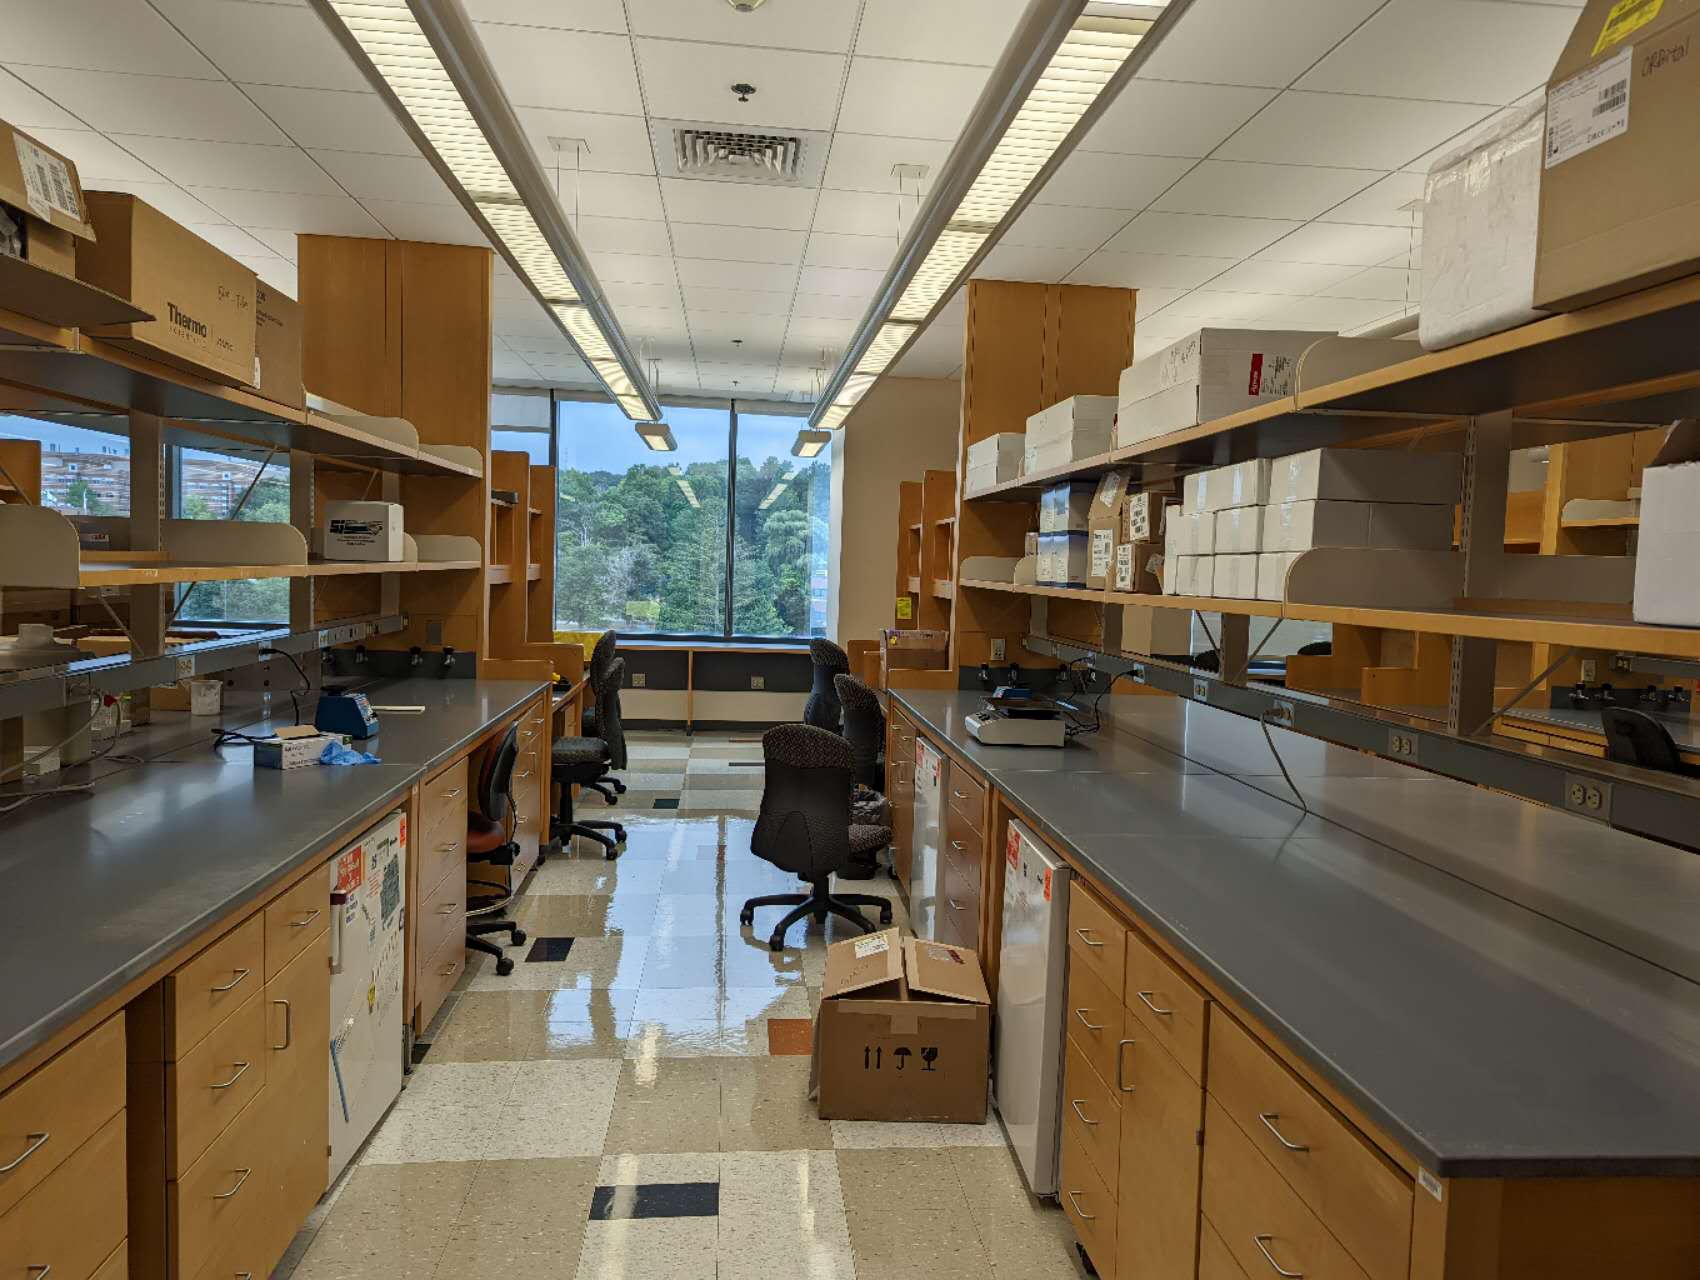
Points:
x=944 y=522
x=498 y=575
x=914 y=583
x=944 y=589
x=533 y=572
x=1605 y=522
x=137 y=571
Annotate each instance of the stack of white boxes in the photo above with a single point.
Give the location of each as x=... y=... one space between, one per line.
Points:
x=1204 y=376
x=1239 y=528
x=994 y=460
x=1071 y=431
x=1065 y=511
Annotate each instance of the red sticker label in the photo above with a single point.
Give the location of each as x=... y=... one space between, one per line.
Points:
x=1047 y=884
x=1012 y=848
x=351 y=870
x=1255 y=384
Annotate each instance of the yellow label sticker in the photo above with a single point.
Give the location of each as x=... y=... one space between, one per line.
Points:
x=905 y=608
x=1625 y=19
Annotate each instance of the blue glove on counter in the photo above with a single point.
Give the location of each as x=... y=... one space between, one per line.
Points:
x=336 y=753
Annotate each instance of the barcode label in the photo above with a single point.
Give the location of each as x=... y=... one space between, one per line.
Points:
x=47 y=182
x=1589 y=108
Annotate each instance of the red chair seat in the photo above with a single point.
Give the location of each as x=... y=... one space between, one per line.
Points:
x=483 y=835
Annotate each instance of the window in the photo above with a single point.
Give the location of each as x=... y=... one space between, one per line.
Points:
x=519 y=423
x=209 y=487
x=83 y=472
x=642 y=538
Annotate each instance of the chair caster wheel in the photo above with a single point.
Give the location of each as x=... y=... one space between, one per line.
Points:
x=519 y=937
x=885 y=915
x=746 y=918
x=776 y=943
x=504 y=967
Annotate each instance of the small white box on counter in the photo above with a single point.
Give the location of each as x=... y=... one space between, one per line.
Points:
x=1366 y=475
x=1667 y=588
x=1272 y=569
x=1207 y=375
x=1239 y=530
x=1234 y=578
x=291 y=750
x=1242 y=484
x=363 y=531
x=1066 y=507
x=1002 y=453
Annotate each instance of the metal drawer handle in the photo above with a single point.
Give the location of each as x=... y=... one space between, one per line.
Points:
x=1082 y=935
x=526 y=774
x=1075 y=1103
x=40 y=1269
x=244 y=1275
x=954 y=904
x=1262 y=1243
x=958 y=794
x=450 y=847
x=1120 y=1058
x=1269 y=1118
x=449 y=968
x=288 y=1026
x=312 y=915
x=1081 y=1014
x=447 y=909
x=529 y=734
x=234 y=982
x=241 y=1070
x=1146 y=996
x=957 y=845
x=450 y=795
x=36 y=1142
x=1075 y=1197
x=239 y=1182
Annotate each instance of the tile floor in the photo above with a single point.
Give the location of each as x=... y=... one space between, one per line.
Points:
x=632 y=1102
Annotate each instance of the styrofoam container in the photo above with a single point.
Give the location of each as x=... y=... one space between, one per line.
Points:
x=1243 y=484
x=1272 y=569
x=1234 y=577
x=1365 y=475
x=1207 y=375
x=1239 y=530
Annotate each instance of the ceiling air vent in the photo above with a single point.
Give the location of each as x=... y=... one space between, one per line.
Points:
x=719 y=153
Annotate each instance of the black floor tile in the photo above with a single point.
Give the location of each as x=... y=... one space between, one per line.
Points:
x=549 y=949
x=420 y=1049
x=656 y=1200
x=667 y=802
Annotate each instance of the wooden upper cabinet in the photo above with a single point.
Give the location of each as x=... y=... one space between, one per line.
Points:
x=351 y=308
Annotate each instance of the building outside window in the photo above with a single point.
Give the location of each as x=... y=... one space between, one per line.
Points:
x=209 y=487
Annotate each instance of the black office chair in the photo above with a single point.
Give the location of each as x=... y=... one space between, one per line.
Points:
x=805 y=827
x=822 y=709
x=1634 y=737
x=601 y=658
x=489 y=840
x=586 y=760
x=864 y=729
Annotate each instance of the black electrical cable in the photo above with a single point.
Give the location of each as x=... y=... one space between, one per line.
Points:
x=306 y=684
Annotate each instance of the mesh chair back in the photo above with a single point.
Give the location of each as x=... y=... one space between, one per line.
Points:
x=495 y=779
x=610 y=727
x=822 y=709
x=1634 y=737
x=864 y=724
x=804 y=825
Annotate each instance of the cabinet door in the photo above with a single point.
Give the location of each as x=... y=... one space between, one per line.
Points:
x=1162 y=1121
x=900 y=791
x=297 y=1094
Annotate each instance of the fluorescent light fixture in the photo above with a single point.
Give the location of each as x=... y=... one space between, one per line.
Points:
x=425 y=58
x=678 y=475
x=1063 y=64
x=810 y=443
x=658 y=436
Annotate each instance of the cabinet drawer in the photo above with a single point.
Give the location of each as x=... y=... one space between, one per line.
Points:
x=967 y=796
x=437 y=976
x=216 y=983
x=1094 y=1021
x=1215 y=1262
x=209 y=1086
x=1096 y=939
x=443 y=800
x=217 y=1200
x=75 y=1218
x=1086 y=1200
x=295 y=918
x=440 y=854
x=242 y=1257
x=117 y=1266
x=297 y=1093
x=1261 y=1219
x=443 y=912
x=52 y=1112
x=1162 y=1116
x=963 y=842
x=1098 y=1112
x=1346 y=1182
x=1167 y=1002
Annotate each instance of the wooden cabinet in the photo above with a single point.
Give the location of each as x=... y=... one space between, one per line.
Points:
x=1097 y=1109
x=74 y=1218
x=1215 y=1259
x=900 y=793
x=961 y=887
x=207 y=1087
x=298 y=1090
x=224 y=1197
x=965 y=796
x=1097 y=940
x=1168 y=1005
x=52 y=1111
x=1161 y=1135
x=1094 y=1019
x=208 y=989
x=440 y=877
x=1090 y=1206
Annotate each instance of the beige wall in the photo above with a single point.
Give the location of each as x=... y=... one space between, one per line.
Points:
x=902 y=428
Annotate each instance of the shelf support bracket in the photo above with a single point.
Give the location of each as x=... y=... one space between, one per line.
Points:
x=1481 y=541
x=150 y=607
x=301 y=516
x=1235 y=649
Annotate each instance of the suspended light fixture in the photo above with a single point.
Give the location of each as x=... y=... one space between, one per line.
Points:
x=658 y=436
x=810 y=443
x=424 y=57
x=1062 y=67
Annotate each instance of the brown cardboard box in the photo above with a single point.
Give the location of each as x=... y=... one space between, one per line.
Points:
x=277 y=346
x=1620 y=193
x=903 y=1032
x=1104 y=519
x=204 y=299
x=46 y=198
x=1138 y=567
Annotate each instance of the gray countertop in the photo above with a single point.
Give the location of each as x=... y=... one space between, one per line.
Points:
x=99 y=888
x=1499 y=986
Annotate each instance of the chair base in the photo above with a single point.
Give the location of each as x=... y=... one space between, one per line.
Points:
x=561 y=833
x=604 y=790
x=819 y=903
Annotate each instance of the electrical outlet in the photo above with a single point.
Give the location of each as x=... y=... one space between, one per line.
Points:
x=1590 y=670
x=997 y=651
x=639 y=680
x=758 y=682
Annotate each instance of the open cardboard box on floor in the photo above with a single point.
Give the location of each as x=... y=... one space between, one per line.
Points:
x=903 y=1032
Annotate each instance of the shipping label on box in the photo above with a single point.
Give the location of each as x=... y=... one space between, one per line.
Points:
x=1101 y=538
x=1139 y=567
x=1144 y=516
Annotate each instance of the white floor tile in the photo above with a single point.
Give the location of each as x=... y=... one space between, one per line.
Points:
x=872 y=1135
x=643 y=1249
x=555 y=1110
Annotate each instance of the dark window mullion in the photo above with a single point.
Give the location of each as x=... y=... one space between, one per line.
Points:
x=731 y=514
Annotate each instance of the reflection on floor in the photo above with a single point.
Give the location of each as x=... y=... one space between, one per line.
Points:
x=631 y=1100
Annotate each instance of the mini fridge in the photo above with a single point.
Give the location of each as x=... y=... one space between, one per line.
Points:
x=368 y=891
x=1027 y=1061
x=929 y=834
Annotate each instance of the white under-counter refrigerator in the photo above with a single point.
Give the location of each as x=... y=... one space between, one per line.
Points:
x=928 y=837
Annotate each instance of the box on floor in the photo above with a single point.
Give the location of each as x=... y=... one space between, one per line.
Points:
x=1207 y=375
x=903 y=1032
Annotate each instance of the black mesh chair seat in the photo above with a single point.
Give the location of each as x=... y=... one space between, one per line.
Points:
x=586 y=760
x=577 y=753
x=869 y=839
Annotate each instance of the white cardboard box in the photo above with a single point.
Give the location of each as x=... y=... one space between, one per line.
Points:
x=1182 y=574
x=1272 y=569
x=1481 y=215
x=1063 y=451
x=291 y=753
x=1235 y=577
x=1001 y=452
x=1366 y=475
x=1206 y=375
x=1239 y=530
x=1667 y=588
x=1066 y=507
x=1190 y=533
x=1299 y=526
x=979 y=479
x=1092 y=416
x=363 y=531
x=1243 y=484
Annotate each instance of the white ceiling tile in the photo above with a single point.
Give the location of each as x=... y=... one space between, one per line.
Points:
x=1151 y=336
x=334 y=121
x=671 y=346
x=616 y=144
x=1212 y=43
x=580 y=15
x=663 y=295
x=517 y=321
x=908 y=99
x=1281 y=277
x=967 y=31
x=738 y=204
x=755 y=330
x=862 y=162
x=797 y=24
x=266 y=43
x=98 y=35
x=1448 y=51
x=277 y=273
x=794 y=90
x=844 y=282
x=281 y=243
x=1385 y=284
x=24 y=108
x=1105 y=180
x=624 y=235
x=633 y=268
x=169 y=199
x=1383 y=203
x=680 y=377
x=767 y=277
x=566 y=70
x=827 y=306
x=1147 y=270
x=1199 y=235
x=1150 y=301
x=718 y=376
x=1162 y=118
x=1329 y=313
x=232 y=240
x=1334 y=129
x=1028 y=262
x=868 y=253
x=1052 y=226
x=1220 y=306
x=404 y=178
x=864 y=213
x=1263 y=190
x=166 y=108
x=813 y=333
x=608 y=195
x=99 y=160
x=649 y=322
x=1409 y=260
x=236 y=165
x=737 y=244
x=1345 y=243
x=757 y=301
x=509 y=366
x=313 y=215
x=436 y=223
